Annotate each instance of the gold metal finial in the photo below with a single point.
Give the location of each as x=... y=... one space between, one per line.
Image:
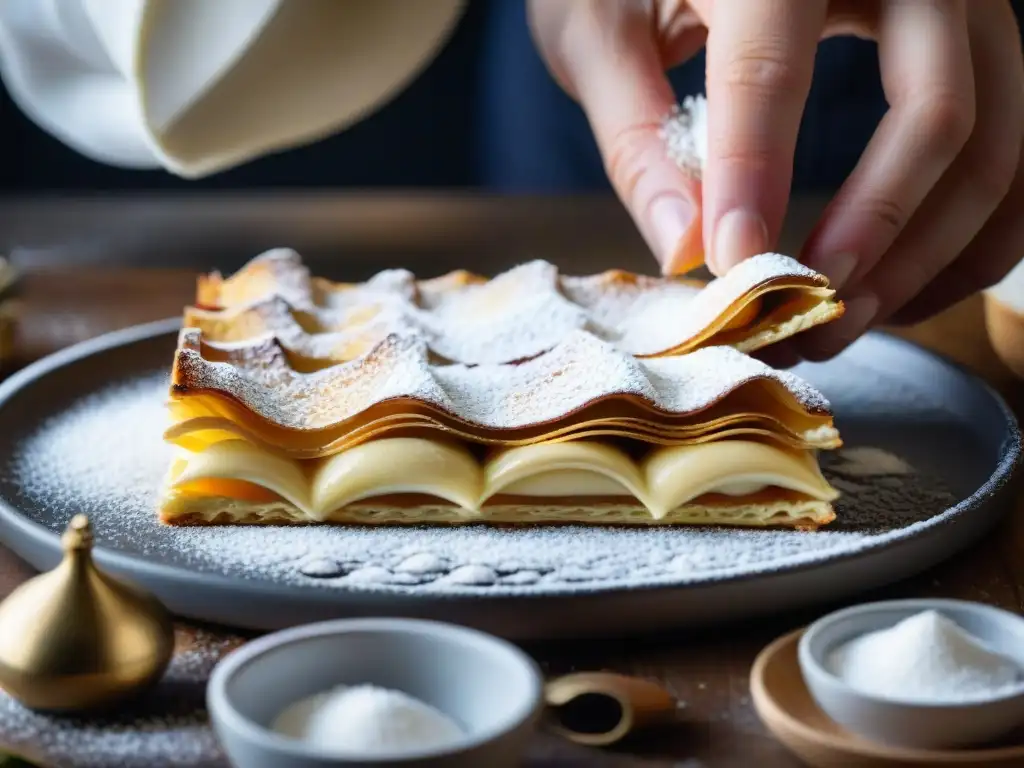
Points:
x=76 y=638
x=78 y=534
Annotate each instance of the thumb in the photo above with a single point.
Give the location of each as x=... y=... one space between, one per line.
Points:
x=615 y=68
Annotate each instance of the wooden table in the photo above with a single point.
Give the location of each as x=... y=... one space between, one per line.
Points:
x=708 y=671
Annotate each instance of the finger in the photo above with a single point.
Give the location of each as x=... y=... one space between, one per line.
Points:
x=976 y=183
x=779 y=356
x=681 y=33
x=923 y=47
x=760 y=59
x=988 y=259
x=855 y=18
x=966 y=197
x=967 y=277
x=613 y=65
x=824 y=342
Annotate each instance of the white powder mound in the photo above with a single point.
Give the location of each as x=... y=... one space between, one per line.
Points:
x=1011 y=290
x=924 y=658
x=105 y=457
x=685 y=134
x=367 y=720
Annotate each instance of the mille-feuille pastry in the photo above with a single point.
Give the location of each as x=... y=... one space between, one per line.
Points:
x=515 y=316
x=575 y=427
x=709 y=437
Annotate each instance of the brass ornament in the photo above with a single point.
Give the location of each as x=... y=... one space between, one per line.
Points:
x=75 y=638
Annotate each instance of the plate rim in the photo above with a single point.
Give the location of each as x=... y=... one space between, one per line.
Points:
x=1006 y=471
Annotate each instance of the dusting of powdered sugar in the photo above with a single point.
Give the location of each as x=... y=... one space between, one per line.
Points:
x=104 y=456
x=168 y=726
x=516 y=315
x=580 y=371
x=646 y=316
x=865 y=461
x=685 y=133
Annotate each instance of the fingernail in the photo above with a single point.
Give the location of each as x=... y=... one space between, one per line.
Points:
x=838 y=268
x=669 y=219
x=739 y=235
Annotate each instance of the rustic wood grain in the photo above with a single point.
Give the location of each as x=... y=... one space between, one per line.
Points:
x=708 y=671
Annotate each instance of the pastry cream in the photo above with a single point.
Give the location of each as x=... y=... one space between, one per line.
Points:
x=667 y=478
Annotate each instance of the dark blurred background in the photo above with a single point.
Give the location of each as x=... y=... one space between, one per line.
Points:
x=485 y=115
x=481 y=164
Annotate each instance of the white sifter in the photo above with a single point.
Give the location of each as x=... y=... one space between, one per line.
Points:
x=196 y=87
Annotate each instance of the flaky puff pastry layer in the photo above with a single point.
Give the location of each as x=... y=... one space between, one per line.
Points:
x=517 y=315
x=259 y=391
x=773 y=509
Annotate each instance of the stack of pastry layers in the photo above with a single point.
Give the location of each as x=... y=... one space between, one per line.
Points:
x=532 y=397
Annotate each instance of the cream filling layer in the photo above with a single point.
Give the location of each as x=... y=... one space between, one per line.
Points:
x=665 y=479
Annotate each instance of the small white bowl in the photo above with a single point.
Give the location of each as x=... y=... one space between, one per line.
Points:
x=490 y=687
x=913 y=723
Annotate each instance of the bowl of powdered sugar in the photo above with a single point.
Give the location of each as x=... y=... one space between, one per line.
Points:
x=927 y=674
x=380 y=692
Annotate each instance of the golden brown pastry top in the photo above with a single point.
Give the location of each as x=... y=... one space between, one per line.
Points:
x=517 y=315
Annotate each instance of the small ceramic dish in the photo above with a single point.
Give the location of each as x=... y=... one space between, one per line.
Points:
x=788 y=710
x=908 y=723
x=488 y=686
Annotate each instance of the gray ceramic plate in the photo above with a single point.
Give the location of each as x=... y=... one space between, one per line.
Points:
x=80 y=432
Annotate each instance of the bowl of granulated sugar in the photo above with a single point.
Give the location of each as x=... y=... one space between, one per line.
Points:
x=925 y=674
x=375 y=692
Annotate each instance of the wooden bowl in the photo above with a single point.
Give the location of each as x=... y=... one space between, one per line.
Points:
x=787 y=710
x=1006 y=333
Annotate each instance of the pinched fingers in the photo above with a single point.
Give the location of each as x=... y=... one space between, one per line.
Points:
x=946 y=250
x=608 y=55
x=928 y=80
x=988 y=259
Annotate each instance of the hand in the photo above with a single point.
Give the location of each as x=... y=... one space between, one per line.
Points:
x=933 y=212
